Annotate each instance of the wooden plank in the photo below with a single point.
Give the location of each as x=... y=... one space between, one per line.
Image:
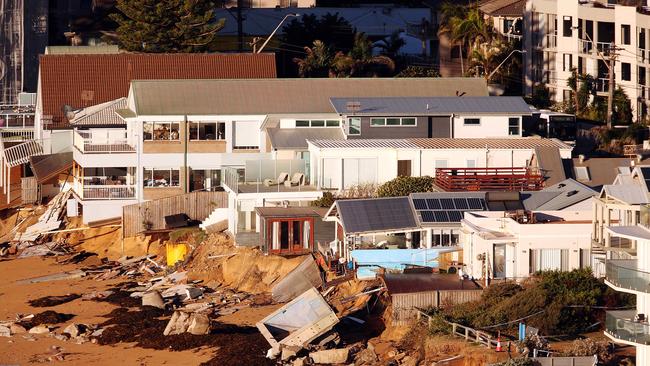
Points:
x=196 y=205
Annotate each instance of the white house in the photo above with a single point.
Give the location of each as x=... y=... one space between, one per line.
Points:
x=513 y=245
x=340 y=164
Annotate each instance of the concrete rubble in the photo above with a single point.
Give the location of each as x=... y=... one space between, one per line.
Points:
x=330 y=356
x=182 y=322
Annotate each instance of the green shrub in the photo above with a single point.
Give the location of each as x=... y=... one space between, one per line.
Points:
x=327 y=200
x=403 y=186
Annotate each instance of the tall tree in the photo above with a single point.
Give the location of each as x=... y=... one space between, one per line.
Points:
x=361 y=62
x=166 y=25
x=317 y=63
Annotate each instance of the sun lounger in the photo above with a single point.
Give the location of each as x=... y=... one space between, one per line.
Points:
x=281 y=179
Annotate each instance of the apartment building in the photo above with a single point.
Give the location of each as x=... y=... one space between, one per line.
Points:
x=621 y=231
x=561 y=35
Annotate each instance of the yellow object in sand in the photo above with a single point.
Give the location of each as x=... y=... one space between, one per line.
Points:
x=175 y=252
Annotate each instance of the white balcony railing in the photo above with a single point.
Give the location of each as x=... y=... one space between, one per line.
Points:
x=100 y=143
x=585 y=46
x=17 y=134
x=107 y=192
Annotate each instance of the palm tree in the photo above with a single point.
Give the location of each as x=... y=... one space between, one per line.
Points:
x=360 y=61
x=464 y=26
x=391 y=45
x=487 y=56
x=317 y=62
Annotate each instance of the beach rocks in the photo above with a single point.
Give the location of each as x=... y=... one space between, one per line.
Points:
x=193 y=323
x=40 y=329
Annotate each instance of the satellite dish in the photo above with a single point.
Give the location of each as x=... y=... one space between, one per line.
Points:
x=69 y=112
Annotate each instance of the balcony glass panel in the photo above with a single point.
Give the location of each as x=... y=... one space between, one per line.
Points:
x=626 y=326
x=624 y=274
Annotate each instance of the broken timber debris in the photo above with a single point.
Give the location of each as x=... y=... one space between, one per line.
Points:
x=305 y=276
x=299 y=322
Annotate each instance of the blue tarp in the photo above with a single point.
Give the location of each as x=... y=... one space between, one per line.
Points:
x=369 y=260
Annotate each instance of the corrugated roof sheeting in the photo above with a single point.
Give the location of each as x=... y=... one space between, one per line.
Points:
x=550 y=163
x=432 y=106
x=490 y=143
x=513 y=8
x=101 y=114
x=376 y=215
x=364 y=144
x=278 y=96
x=632 y=194
x=296 y=138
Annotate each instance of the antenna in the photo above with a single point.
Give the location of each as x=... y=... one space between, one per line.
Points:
x=69 y=112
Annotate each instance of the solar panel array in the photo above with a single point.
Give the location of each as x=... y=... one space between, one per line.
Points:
x=432 y=210
x=373 y=215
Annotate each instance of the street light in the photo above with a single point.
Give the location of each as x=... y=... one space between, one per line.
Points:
x=276 y=29
x=503 y=62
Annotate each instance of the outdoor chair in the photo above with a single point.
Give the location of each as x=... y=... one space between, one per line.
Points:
x=281 y=179
x=296 y=180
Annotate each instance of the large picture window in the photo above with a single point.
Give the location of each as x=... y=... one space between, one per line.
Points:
x=207 y=131
x=154 y=177
x=160 y=131
x=354 y=126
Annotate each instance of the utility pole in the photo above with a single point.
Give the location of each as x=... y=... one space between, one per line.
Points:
x=240 y=30
x=612 y=55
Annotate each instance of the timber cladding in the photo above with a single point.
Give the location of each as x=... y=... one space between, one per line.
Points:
x=196 y=205
x=405 y=305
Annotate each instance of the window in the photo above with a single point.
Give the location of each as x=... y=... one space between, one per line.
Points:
x=566 y=95
x=472 y=121
x=625 y=33
x=160 y=131
x=394 y=121
x=549 y=259
x=567 y=62
x=567 y=26
x=513 y=126
x=209 y=131
x=626 y=71
x=154 y=177
x=641 y=38
x=642 y=76
x=582 y=173
x=354 y=126
x=317 y=123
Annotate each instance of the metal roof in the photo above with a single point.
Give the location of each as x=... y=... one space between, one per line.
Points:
x=296 y=138
x=279 y=96
x=632 y=194
x=400 y=283
x=286 y=212
x=101 y=114
x=364 y=144
x=525 y=143
x=550 y=164
x=558 y=196
x=442 y=143
x=631 y=232
x=504 y=8
x=434 y=105
x=48 y=166
x=376 y=215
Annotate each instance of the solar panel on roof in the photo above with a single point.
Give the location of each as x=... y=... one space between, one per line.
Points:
x=447 y=203
x=433 y=203
x=475 y=203
x=420 y=204
x=461 y=203
x=441 y=216
x=455 y=216
x=428 y=216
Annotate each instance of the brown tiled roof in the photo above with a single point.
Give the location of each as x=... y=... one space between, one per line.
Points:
x=89 y=79
x=504 y=8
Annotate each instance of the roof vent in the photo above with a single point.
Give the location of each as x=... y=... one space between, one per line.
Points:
x=561 y=185
x=572 y=193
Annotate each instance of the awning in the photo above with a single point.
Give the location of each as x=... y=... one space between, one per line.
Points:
x=48 y=166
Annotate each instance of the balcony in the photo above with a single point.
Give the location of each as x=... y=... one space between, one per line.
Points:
x=103 y=142
x=621 y=325
x=488 y=179
x=585 y=46
x=266 y=176
x=105 y=188
x=625 y=274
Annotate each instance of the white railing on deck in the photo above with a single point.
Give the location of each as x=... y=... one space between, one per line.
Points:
x=107 y=192
x=88 y=142
x=19 y=154
x=17 y=134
